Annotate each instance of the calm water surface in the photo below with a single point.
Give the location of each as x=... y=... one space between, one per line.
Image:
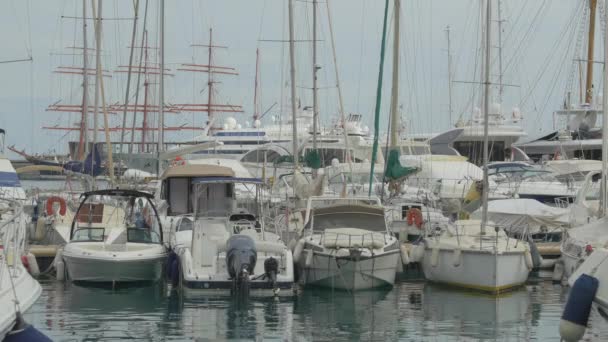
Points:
x=411 y=311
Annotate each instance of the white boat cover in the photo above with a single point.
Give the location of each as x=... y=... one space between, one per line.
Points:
x=595 y=265
x=517 y=215
x=595 y=233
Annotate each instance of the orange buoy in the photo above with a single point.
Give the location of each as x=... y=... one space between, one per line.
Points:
x=414 y=217
x=52 y=200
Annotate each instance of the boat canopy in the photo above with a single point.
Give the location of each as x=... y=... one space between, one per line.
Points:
x=215 y=180
x=348 y=216
x=198 y=170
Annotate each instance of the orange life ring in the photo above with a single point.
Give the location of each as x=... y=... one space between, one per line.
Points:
x=414 y=216
x=52 y=200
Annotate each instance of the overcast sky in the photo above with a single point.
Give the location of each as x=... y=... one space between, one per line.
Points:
x=539 y=43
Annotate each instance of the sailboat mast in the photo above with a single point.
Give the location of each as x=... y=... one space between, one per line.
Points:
x=129 y=72
x=590 y=48
x=97 y=67
x=500 y=74
x=340 y=101
x=315 y=90
x=256 y=113
x=84 y=125
x=161 y=90
x=604 y=193
x=394 y=139
x=210 y=85
x=486 y=113
x=450 y=109
x=99 y=81
x=292 y=72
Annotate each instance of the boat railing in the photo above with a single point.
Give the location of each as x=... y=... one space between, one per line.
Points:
x=489 y=240
x=562 y=202
x=12 y=232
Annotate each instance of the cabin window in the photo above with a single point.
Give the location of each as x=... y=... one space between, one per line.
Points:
x=214 y=199
x=178 y=196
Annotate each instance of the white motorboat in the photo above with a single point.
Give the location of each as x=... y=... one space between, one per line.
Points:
x=521 y=180
x=346 y=245
x=220 y=248
x=18 y=290
x=465 y=256
x=116 y=236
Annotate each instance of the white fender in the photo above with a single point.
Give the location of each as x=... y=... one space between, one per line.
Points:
x=457 y=257
x=435 y=257
x=529 y=262
x=417 y=253
x=292 y=244
x=558 y=271
x=309 y=258
x=342 y=252
x=405 y=258
x=60 y=268
x=31 y=260
x=297 y=250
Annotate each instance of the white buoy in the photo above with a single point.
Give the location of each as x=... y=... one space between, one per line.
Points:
x=457 y=257
x=529 y=262
x=297 y=250
x=558 y=271
x=31 y=260
x=342 y=252
x=405 y=258
x=309 y=258
x=416 y=253
x=435 y=257
x=60 y=268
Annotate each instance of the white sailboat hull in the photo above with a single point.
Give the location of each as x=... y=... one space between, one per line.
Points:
x=27 y=290
x=348 y=273
x=479 y=270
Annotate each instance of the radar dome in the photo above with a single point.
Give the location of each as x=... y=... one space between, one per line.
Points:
x=230 y=122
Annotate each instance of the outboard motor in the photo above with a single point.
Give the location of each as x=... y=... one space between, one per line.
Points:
x=241 y=257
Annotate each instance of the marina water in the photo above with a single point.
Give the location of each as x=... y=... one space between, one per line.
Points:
x=411 y=311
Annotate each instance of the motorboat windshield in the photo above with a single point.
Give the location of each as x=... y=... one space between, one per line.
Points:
x=111 y=212
x=348 y=216
x=215 y=196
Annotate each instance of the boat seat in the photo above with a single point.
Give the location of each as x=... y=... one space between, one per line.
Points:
x=352 y=238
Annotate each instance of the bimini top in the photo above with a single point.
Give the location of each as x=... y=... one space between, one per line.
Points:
x=198 y=170
x=118 y=192
x=219 y=179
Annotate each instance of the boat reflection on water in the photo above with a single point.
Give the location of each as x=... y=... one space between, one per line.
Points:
x=474 y=315
x=362 y=315
x=100 y=313
x=220 y=318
